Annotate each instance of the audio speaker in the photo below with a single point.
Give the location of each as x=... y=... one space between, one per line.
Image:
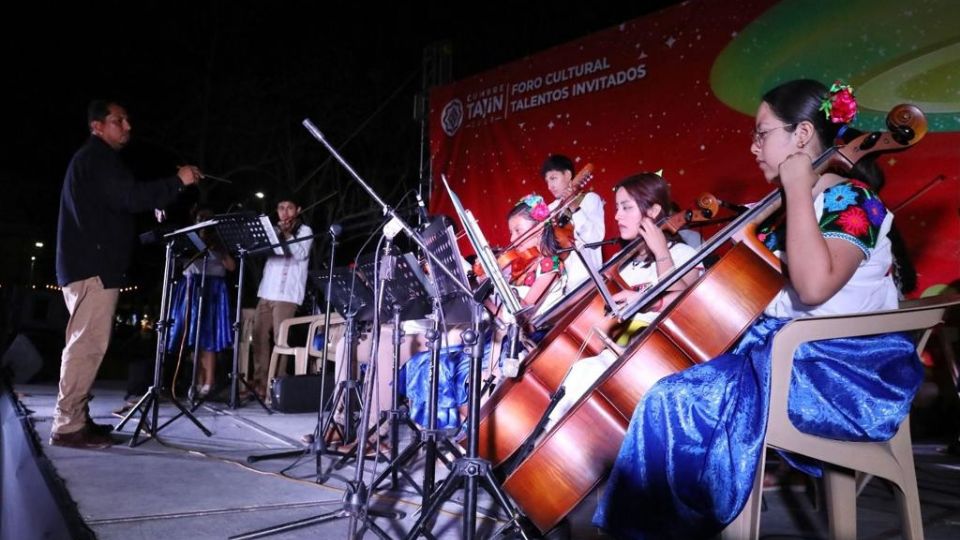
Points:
x=299 y=393
x=21 y=359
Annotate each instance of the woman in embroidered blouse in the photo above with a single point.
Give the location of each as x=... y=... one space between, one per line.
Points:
x=687 y=463
x=541 y=282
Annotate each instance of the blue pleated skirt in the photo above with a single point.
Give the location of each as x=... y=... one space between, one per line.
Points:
x=216 y=333
x=687 y=463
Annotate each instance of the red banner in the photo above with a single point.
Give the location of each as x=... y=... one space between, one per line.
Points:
x=645 y=96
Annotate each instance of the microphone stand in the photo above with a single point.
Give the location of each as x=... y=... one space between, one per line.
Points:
x=471 y=468
x=319 y=445
x=356 y=497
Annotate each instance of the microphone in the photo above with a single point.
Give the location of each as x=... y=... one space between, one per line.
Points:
x=335 y=229
x=511 y=364
x=421 y=209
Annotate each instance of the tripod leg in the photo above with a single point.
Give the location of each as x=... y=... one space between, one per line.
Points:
x=451 y=484
x=187 y=413
x=146 y=403
x=396 y=467
x=136 y=408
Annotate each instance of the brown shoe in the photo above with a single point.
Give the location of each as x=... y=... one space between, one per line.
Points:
x=99 y=429
x=84 y=438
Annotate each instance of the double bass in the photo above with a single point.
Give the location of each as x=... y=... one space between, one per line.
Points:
x=512 y=413
x=573 y=458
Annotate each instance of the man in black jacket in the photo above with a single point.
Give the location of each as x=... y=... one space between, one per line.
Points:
x=94 y=243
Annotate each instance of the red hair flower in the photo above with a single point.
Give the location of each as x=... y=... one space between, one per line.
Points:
x=528 y=281
x=840 y=107
x=538 y=208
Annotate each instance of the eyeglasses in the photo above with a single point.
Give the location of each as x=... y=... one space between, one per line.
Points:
x=758 y=135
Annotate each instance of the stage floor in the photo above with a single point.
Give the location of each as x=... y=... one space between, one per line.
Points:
x=187 y=485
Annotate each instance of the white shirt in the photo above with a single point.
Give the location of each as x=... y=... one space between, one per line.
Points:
x=588 y=227
x=285 y=278
x=870 y=289
x=645 y=274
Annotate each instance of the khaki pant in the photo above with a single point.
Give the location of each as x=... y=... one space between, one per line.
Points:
x=267 y=319
x=413 y=343
x=91 y=309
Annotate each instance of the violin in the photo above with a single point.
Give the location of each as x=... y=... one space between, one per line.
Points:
x=517 y=261
x=520 y=261
x=568 y=205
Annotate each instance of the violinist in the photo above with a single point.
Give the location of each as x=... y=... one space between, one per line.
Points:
x=689 y=457
x=588 y=225
x=536 y=269
x=642 y=202
x=282 y=287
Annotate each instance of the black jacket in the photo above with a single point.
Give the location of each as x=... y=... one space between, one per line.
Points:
x=96 y=227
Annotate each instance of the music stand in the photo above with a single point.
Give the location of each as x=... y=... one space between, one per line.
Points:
x=353 y=300
x=150 y=401
x=406 y=290
x=442 y=242
x=245 y=234
x=470 y=470
x=356 y=499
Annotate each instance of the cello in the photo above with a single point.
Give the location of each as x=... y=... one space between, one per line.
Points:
x=573 y=458
x=512 y=413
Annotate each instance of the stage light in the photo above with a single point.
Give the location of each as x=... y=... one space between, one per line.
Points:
x=259 y=195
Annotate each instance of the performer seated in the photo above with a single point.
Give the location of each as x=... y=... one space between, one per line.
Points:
x=535 y=269
x=691 y=451
x=641 y=200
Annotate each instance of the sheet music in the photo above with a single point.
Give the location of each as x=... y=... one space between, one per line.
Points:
x=485 y=255
x=271 y=235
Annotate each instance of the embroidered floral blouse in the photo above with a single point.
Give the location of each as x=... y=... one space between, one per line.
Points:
x=849 y=211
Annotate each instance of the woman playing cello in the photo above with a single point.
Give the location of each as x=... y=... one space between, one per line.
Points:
x=689 y=456
x=642 y=203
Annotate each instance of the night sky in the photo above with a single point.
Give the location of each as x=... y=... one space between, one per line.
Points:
x=225 y=85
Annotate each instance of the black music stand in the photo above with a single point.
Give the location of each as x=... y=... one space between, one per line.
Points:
x=186 y=238
x=245 y=234
x=470 y=470
x=353 y=300
x=351 y=297
x=406 y=293
x=442 y=242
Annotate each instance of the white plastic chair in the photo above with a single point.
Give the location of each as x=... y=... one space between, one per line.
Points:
x=337 y=328
x=282 y=346
x=846 y=464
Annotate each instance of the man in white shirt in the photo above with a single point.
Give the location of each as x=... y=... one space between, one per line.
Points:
x=588 y=227
x=282 y=287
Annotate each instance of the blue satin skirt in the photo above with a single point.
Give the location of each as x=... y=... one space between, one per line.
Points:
x=687 y=463
x=216 y=333
x=454 y=370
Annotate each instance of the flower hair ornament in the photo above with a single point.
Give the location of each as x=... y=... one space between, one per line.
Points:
x=538 y=208
x=839 y=106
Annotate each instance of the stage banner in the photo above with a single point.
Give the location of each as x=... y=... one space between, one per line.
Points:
x=677 y=90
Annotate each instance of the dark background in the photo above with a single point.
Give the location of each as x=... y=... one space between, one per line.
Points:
x=225 y=85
